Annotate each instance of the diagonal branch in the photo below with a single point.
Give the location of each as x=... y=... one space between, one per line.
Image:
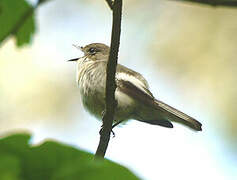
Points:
x=110 y=81
x=110 y=4
x=214 y=3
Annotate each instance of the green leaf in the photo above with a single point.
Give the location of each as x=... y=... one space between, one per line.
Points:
x=9 y=167
x=11 y=13
x=94 y=170
x=53 y=160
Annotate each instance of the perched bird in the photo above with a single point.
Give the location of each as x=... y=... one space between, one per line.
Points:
x=134 y=99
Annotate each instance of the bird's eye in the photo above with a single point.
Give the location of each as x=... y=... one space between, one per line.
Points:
x=92 y=50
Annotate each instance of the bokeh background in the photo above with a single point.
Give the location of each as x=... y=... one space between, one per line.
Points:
x=187 y=52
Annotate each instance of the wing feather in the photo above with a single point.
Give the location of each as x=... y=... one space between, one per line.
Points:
x=146 y=98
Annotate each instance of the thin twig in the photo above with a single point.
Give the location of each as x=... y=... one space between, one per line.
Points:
x=214 y=3
x=110 y=81
x=110 y=4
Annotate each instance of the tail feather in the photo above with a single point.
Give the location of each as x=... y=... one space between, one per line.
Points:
x=178 y=116
x=160 y=122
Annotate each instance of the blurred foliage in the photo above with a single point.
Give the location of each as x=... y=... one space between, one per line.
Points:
x=11 y=12
x=52 y=160
x=31 y=93
x=197 y=46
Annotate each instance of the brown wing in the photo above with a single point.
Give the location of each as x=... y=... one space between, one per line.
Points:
x=168 y=112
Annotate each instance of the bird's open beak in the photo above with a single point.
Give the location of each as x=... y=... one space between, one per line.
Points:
x=78 y=47
x=74 y=59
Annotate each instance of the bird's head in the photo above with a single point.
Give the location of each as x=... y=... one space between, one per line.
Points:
x=94 y=51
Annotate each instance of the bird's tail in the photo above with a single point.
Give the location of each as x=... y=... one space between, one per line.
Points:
x=173 y=114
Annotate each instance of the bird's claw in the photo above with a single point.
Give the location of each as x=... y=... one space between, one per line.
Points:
x=102 y=128
x=113 y=133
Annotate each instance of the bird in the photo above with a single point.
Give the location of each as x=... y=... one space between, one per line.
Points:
x=133 y=98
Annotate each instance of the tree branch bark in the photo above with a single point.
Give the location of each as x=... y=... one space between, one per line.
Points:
x=110 y=4
x=110 y=81
x=214 y=3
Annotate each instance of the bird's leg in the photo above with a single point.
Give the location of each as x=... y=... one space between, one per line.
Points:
x=102 y=128
x=115 y=124
x=113 y=133
x=102 y=115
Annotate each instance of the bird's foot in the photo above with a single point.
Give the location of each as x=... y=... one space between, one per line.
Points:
x=103 y=114
x=102 y=129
